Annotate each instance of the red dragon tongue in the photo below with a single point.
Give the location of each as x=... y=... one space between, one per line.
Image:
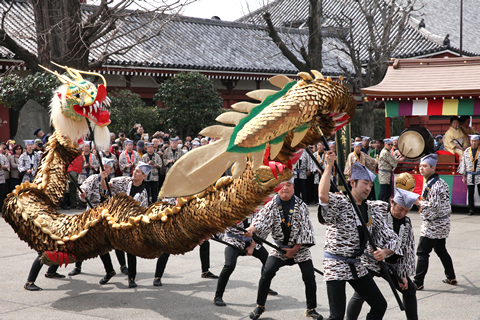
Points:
x=101 y=93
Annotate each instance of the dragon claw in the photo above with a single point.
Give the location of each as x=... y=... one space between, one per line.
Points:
x=57 y=257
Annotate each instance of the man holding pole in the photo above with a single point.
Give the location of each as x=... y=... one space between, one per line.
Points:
x=92 y=190
x=397 y=220
x=346 y=240
x=286 y=217
x=238 y=242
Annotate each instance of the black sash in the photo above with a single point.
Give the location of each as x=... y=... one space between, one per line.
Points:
x=364 y=208
x=397 y=223
x=150 y=157
x=32 y=160
x=431 y=181
x=103 y=193
x=87 y=160
x=286 y=209
x=476 y=160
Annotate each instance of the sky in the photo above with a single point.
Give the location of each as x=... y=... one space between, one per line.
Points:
x=228 y=10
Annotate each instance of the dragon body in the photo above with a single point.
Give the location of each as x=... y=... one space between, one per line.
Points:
x=202 y=202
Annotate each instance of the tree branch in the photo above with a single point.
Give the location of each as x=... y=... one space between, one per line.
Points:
x=30 y=59
x=272 y=32
x=315 y=40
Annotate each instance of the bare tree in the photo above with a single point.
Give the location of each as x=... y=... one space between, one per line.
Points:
x=67 y=32
x=370 y=51
x=312 y=54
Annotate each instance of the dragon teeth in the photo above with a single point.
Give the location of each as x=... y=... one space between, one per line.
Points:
x=90 y=108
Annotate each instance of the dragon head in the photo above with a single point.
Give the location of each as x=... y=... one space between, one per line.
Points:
x=269 y=132
x=77 y=101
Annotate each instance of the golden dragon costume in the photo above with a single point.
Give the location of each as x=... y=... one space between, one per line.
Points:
x=260 y=144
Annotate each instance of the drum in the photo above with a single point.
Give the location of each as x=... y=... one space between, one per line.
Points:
x=415 y=143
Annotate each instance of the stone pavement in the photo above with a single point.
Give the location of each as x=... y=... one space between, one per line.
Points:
x=184 y=295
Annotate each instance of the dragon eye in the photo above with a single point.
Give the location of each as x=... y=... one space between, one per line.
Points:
x=77 y=95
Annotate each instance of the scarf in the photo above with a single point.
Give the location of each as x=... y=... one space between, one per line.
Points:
x=87 y=161
x=323 y=158
x=359 y=159
x=474 y=159
x=130 y=161
x=31 y=160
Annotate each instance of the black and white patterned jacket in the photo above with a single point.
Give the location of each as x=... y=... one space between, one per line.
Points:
x=342 y=236
x=124 y=184
x=268 y=221
x=25 y=163
x=91 y=186
x=321 y=160
x=237 y=241
x=302 y=166
x=435 y=211
x=466 y=165
x=404 y=265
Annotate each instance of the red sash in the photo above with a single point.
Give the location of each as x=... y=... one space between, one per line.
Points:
x=130 y=161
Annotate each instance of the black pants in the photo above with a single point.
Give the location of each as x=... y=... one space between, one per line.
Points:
x=231 y=256
x=204 y=260
x=120 y=257
x=471 y=193
x=301 y=187
x=35 y=269
x=372 y=196
x=311 y=191
x=409 y=301
x=107 y=263
x=315 y=194
x=13 y=183
x=72 y=189
x=385 y=192
x=366 y=288
x=132 y=266
x=271 y=267
x=152 y=190
x=425 y=246
x=161 y=179
x=3 y=193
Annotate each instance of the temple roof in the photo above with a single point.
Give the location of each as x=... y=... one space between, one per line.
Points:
x=185 y=44
x=429 y=78
x=440 y=18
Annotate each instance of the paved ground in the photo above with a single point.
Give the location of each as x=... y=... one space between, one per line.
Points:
x=185 y=295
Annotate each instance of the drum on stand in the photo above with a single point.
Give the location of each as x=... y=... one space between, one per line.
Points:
x=415 y=143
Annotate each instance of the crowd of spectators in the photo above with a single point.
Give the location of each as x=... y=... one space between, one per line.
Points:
x=127 y=148
x=161 y=144
x=160 y=149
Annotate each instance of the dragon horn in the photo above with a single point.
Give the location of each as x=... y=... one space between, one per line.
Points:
x=95 y=74
x=72 y=72
x=63 y=79
x=79 y=72
x=60 y=77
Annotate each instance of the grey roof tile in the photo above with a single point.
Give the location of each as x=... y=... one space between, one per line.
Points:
x=186 y=43
x=441 y=17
